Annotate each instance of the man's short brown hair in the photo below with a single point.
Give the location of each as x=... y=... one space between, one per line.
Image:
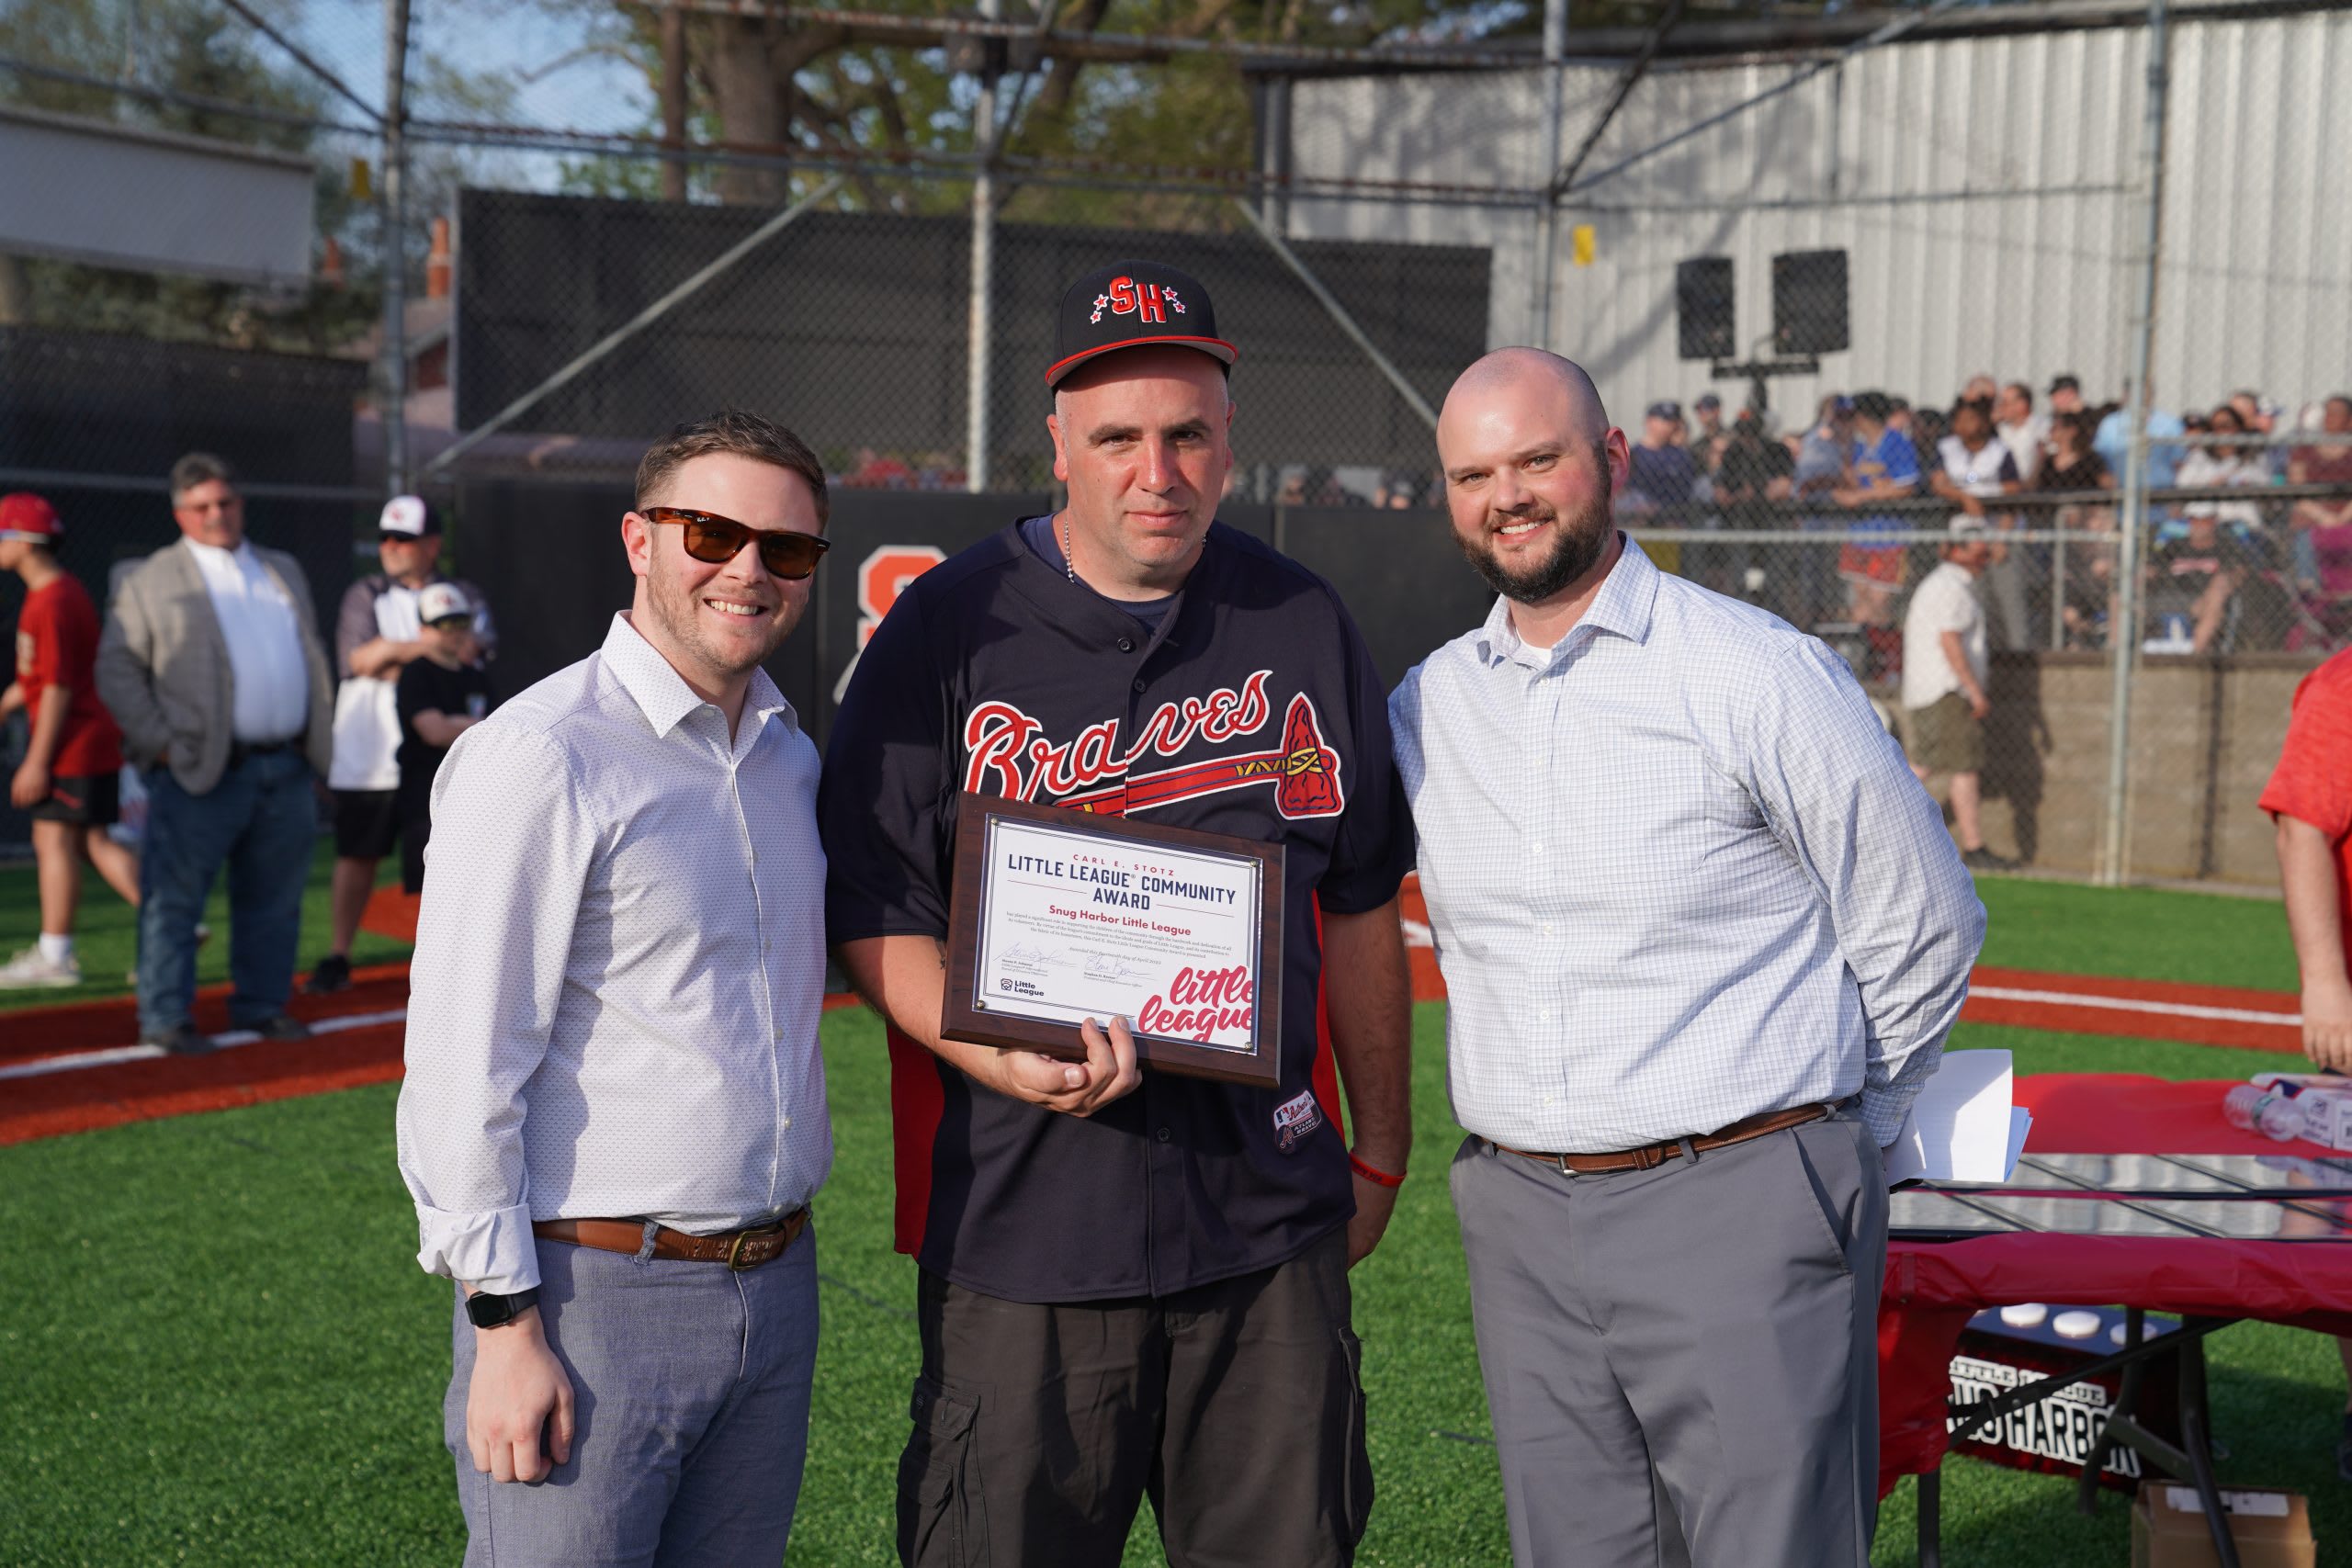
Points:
x=201 y=468
x=737 y=431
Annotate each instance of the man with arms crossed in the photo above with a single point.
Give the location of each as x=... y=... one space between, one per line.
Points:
x=1131 y=1281
x=615 y=1111
x=1703 y=934
x=2310 y=797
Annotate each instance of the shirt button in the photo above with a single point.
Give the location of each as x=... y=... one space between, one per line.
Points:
x=1538 y=849
x=1139 y=686
x=1126 y=645
x=787 y=1121
x=1547 y=928
x=1163 y=1135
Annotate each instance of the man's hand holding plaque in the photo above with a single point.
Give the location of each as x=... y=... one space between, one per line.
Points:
x=1074 y=1089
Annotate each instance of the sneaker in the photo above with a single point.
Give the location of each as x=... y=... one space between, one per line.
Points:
x=1982 y=859
x=182 y=1040
x=29 y=970
x=282 y=1027
x=332 y=975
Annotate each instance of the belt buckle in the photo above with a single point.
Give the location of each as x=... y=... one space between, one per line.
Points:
x=735 y=1253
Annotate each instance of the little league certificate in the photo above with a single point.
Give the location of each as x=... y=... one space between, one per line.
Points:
x=1060 y=916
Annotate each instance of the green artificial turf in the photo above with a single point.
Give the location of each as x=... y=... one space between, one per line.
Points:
x=220 y=1351
x=2138 y=933
x=106 y=932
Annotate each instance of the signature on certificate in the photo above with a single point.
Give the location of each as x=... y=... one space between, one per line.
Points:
x=1110 y=966
x=1021 y=956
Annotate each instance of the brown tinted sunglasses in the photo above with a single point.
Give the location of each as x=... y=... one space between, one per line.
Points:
x=718 y=540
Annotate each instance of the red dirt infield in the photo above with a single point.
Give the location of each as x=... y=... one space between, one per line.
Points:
x=61 y=1071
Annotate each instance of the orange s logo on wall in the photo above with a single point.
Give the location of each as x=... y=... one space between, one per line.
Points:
x=883 y=576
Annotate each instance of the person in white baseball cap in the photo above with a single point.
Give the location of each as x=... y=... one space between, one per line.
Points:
x=440 y=697
x=377 y=633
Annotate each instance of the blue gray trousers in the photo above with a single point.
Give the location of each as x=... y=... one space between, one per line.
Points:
x=1707 y=1330
x=259 y=821
x=691 y=1418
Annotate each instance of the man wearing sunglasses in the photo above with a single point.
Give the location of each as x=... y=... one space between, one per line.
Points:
x=614 y=1116
x=1131 y=1283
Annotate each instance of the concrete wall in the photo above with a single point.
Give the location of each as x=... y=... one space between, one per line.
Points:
x=2205 y=735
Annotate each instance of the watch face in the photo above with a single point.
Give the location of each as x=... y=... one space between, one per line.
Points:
x=488 y=1311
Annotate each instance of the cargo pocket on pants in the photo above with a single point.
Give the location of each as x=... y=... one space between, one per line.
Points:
x=942 y=1522
x=1355 y=1482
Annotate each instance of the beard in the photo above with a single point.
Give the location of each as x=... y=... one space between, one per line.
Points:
x=1580 y=537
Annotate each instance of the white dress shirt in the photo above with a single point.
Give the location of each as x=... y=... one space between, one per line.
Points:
x=1677 y=875
x=619 y=966
x=1945 y=600
x=269 y=680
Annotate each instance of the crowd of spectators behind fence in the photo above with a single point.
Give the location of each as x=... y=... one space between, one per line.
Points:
x=1880 y=477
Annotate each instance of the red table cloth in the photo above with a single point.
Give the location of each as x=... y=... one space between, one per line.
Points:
x=1933 y=1288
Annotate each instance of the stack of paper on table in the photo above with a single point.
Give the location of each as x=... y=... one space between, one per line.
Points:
x=1965 y=1126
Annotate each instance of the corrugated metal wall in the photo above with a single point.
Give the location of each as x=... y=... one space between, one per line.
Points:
x=1984 y=189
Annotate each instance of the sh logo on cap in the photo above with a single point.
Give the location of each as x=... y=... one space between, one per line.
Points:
x=1133 y=304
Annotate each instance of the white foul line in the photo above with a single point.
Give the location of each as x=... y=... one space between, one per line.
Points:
x=2125 y=1004
x=75 y=1061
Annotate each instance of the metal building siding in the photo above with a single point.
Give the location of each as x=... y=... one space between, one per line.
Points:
x=1984 y=189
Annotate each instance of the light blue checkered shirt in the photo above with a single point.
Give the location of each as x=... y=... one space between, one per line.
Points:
x=1677 y=875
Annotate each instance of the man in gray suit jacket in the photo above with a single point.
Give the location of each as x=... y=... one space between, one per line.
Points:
x=211 y=663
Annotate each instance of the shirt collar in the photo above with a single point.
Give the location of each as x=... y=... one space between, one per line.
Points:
x=663 y=694
x=213 y=555
x=1622 y=606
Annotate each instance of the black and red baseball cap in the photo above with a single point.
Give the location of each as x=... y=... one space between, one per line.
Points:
x=1133 y=304
x=25 y=515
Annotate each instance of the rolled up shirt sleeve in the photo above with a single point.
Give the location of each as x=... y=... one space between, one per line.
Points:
x=1908 y=922
x=513 y=846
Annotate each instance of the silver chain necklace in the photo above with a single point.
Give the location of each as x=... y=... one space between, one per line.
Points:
x=1069 y=562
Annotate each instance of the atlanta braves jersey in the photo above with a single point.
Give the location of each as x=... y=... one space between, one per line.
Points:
x=1252 y=710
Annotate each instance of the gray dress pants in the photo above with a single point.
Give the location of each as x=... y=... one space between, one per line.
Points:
x=1707 y=1330
x=690 y=1386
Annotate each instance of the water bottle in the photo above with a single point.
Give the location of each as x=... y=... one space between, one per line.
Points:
x=2273 y=1110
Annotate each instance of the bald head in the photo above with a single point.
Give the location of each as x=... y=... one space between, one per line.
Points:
x=1525 y=377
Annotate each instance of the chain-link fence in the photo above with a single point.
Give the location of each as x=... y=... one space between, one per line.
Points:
x=1844 y=278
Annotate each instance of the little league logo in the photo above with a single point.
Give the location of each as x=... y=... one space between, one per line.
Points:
x=1146 y=302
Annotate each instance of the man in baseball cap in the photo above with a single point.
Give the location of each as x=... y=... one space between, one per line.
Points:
x=68 y=780
x=377 y=633
x=1131 y=1281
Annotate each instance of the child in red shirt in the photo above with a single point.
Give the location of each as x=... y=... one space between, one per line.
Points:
x=2310 y=797
x=68 y=780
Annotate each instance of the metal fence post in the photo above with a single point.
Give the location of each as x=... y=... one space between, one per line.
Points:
x=2123 y=636
x=395 y=156
x=981 y=331
x=1547 y=215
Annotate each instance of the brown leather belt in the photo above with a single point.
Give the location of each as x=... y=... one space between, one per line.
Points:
x=736 y=1249
x=1651 y=1155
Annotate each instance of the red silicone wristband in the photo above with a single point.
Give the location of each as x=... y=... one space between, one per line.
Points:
x=1378 y=1178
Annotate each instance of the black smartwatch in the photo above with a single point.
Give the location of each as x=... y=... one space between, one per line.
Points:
x=496 y=1312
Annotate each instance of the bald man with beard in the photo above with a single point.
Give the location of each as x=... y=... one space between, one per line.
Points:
x=1703 y=935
